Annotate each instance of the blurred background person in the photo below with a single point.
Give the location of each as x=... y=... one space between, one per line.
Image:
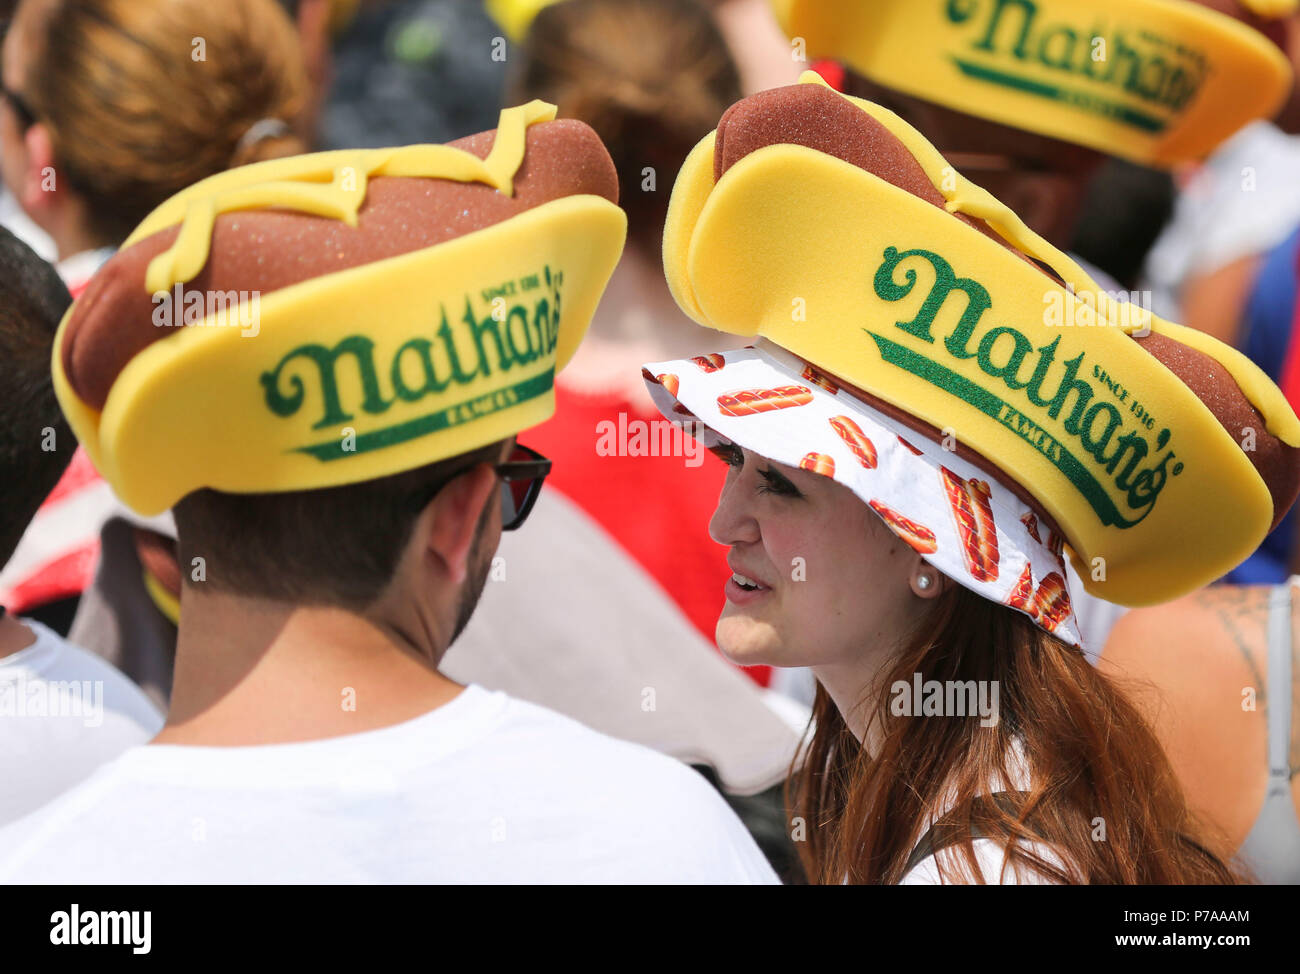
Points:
x=12 y=216
x=1236 y=206
x=63 y=711
x=1226 y=263
x=108 y=108
x=1125 y=207
x=1217 y=674
x=763 y=56
x=1227 y=260
x=113 y=105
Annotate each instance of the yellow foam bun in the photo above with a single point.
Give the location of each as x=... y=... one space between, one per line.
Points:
x=357 y=374
x=1160 y=82
x=1271 y=9
x=897 y=296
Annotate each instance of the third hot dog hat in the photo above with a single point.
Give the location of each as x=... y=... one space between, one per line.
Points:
x=899 y=302
x=516 y=16
x=1159 y=82
x=337 y=317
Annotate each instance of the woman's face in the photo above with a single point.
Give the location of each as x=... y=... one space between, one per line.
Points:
x=13 y=157
x=818 y=578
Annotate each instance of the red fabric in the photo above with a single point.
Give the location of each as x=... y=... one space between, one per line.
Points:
x=62 y=578
x=70 y=573
x=832 y=73
x=81 y=473
x=656 y=507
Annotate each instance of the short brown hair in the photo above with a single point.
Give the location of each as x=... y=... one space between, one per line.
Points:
x=135 y=114
x=652 y=77
x=35 y=441
x=336 y=546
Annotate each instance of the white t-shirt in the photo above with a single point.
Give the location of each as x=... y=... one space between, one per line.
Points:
x=63 y=712
x=484 y=789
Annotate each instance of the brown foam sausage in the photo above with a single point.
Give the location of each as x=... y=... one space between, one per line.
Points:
x=814 y=375
x=818 y=118
x=263 y=250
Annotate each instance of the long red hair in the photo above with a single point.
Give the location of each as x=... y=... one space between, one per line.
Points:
x=1104 y=797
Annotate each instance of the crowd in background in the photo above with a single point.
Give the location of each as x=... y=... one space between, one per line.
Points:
x=110 y=107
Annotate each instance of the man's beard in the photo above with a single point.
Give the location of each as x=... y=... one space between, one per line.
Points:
x=480 y=564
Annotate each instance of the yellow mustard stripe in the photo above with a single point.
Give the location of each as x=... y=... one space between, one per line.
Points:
x=516 y=16
x=337 y=188
x=963 y=196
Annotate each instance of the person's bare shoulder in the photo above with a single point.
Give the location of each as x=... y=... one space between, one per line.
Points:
x=1195 y=668
x=1189 y=649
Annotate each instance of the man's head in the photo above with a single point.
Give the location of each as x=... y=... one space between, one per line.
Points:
x=35 y=442
x=418 y=543
x=412 y=307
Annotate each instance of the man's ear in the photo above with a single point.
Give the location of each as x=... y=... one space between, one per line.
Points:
x=41 y=181
x=454 y=515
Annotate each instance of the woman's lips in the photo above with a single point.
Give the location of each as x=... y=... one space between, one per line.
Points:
x=743 y=590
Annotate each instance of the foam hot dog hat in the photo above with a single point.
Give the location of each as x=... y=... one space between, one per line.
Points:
x=1159 y=82
x=966 y=379
x=341 y=316
x=516 y=16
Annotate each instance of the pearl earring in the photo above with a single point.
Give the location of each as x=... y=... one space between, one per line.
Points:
x=924 y=581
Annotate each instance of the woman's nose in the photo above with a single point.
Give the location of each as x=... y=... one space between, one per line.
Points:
x=733 y=521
